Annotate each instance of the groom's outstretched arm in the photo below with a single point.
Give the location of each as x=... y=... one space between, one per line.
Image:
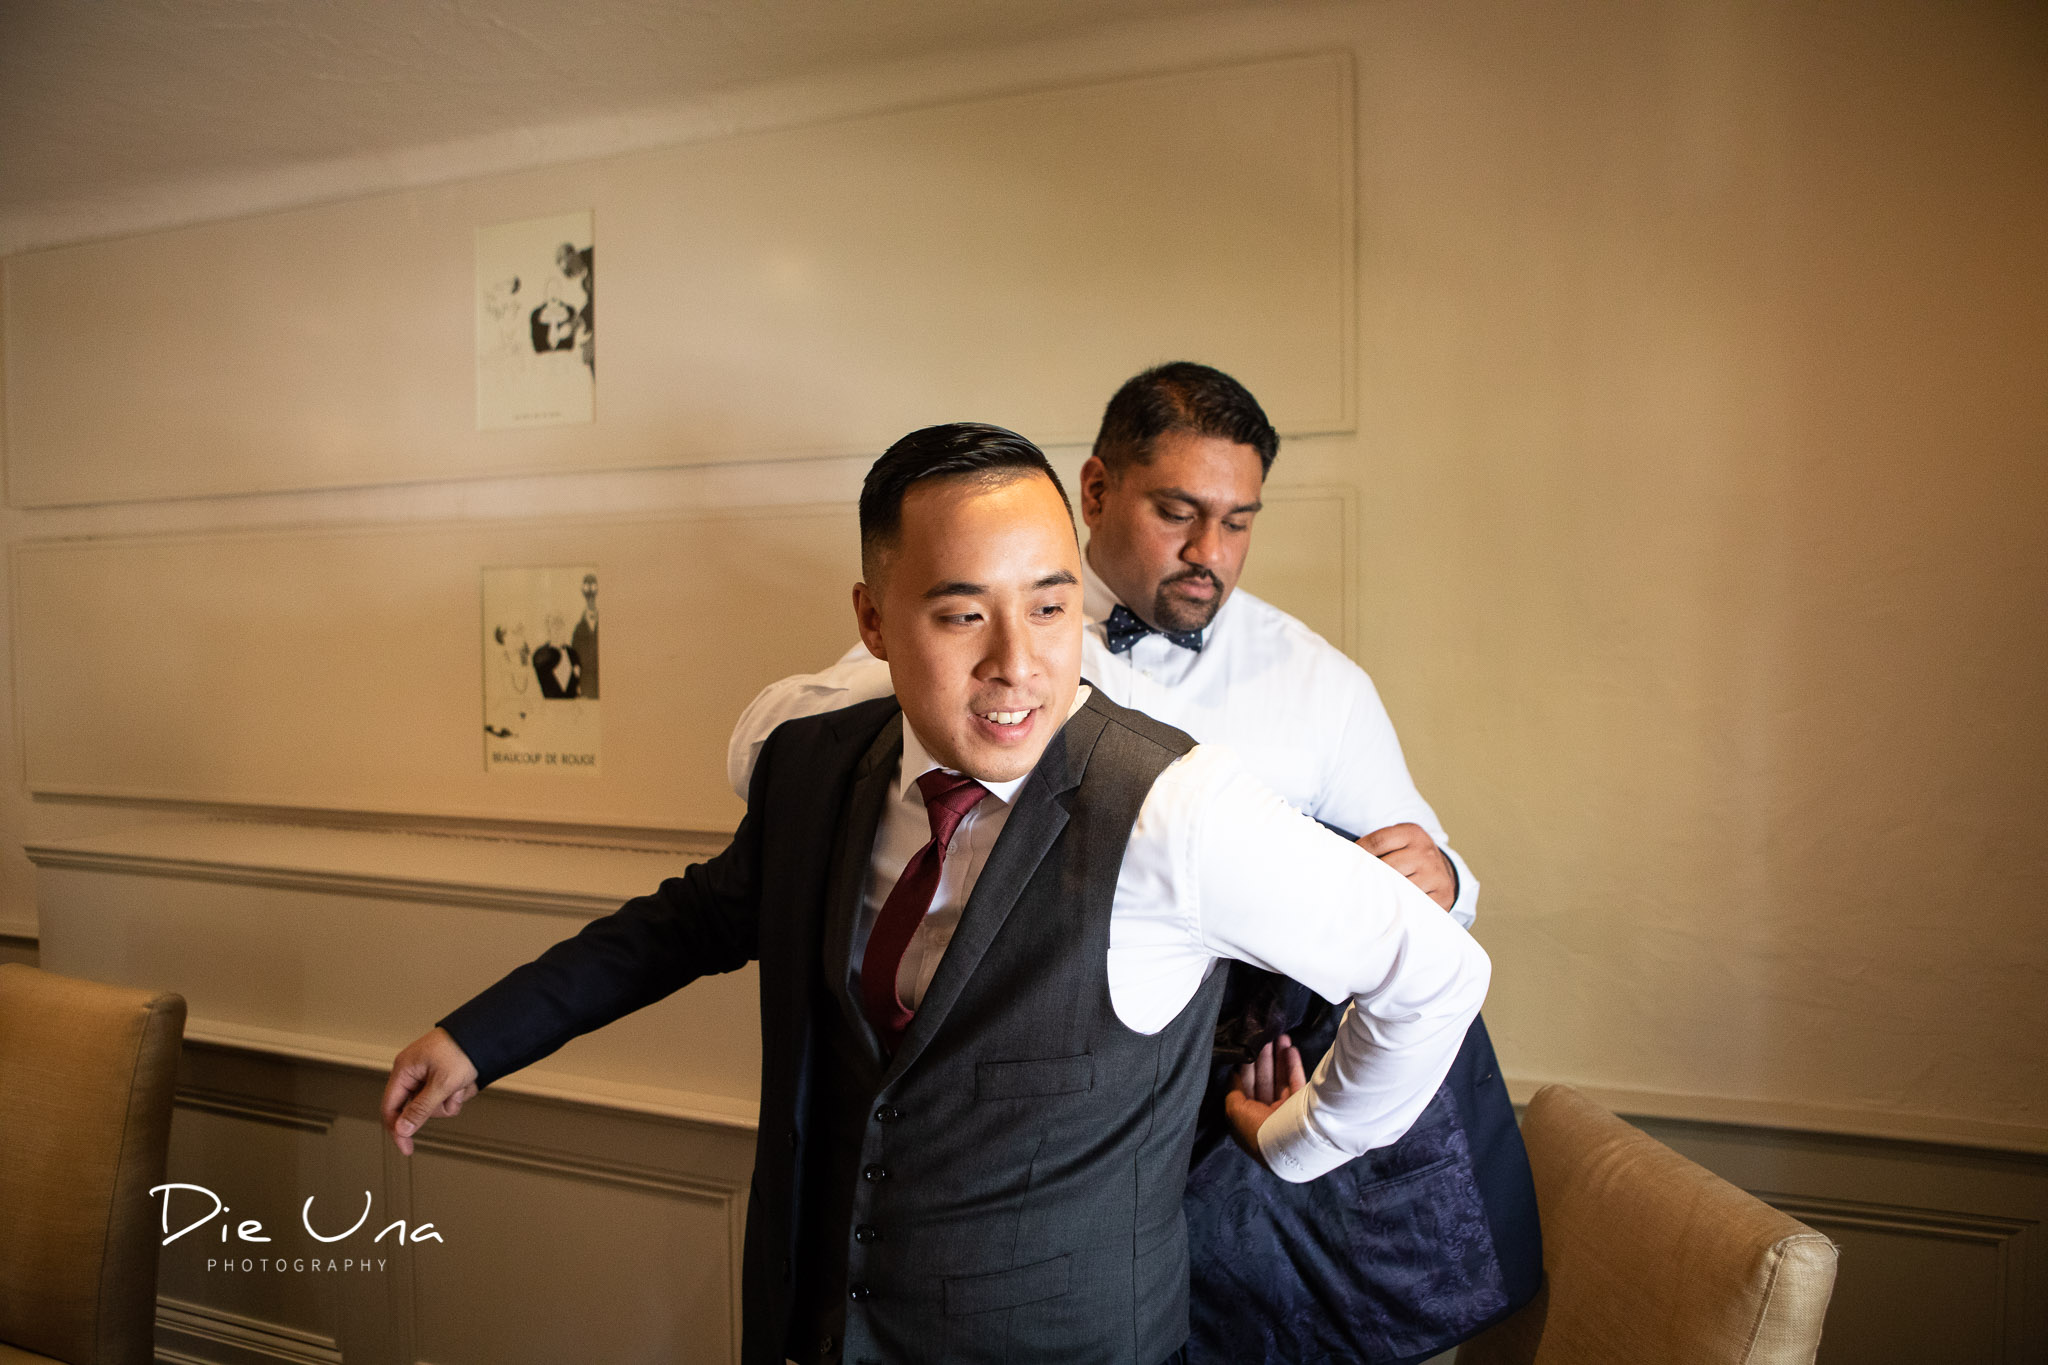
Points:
x=701 y=923
x=698 y=924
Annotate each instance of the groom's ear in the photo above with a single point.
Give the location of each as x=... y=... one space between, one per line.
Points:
x=867 y=618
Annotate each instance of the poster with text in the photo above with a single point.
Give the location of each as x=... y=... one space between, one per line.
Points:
x=536 y=323
x=541 y=670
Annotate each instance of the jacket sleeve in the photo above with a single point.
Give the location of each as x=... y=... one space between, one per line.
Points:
x=703 y=922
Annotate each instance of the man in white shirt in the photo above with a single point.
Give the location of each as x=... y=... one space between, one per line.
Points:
x=1169 y=496
x=981 y=1061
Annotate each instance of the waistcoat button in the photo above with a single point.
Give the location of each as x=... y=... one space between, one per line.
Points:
x=888 y=1113
x=867 y=1233
x=875 y=1173
x=860 y=1293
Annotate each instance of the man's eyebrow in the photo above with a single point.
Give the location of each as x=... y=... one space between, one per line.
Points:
x=1059 y=578
x=1182 y=495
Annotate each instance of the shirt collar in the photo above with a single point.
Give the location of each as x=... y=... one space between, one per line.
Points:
x=917 y=761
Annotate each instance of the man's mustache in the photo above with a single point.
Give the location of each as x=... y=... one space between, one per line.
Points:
x=1190 y=575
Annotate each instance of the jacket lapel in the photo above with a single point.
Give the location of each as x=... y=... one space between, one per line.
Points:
x=852 y=850
x=1034 y=825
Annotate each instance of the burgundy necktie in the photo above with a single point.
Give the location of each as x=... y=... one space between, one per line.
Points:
x=947 y=799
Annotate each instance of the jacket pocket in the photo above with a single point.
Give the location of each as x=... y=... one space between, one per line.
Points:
x=1044 y=1076
x=1008 y=1288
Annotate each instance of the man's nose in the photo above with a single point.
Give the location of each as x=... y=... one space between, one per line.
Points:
x=1205 y=545
x=1009 y=657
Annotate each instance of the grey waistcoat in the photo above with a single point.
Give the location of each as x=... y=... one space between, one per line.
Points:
x=1007 y=1185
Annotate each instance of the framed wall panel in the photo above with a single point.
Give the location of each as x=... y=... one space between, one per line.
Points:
x=1304 y=559
x=818 y=290
x=342 y=669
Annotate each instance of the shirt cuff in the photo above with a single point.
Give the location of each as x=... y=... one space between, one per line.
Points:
x=1292 y=1147
x=1465 y=905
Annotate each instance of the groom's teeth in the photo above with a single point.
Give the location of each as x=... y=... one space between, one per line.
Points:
x=1005 y=717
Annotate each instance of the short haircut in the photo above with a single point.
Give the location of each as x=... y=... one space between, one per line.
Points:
x=992 y=456
x=1181 y=396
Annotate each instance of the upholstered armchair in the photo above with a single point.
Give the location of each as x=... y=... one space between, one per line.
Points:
x=87 y=1073
x=1648 y=1257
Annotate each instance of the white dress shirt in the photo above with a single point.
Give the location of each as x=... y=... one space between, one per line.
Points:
x=1218 y=866
x=1299 y=715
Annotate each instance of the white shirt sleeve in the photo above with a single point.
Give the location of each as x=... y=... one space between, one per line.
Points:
x=1367 y=787
x=858 y=676
x=1248 y=877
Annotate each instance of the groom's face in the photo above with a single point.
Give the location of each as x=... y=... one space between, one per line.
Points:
x=978 y=612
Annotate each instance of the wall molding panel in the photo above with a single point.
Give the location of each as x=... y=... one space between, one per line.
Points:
x=341 y=667
x=1304 y=558
x=1943 y=1256
x=727 y=1199
x=801 y=292
x=624 y=1229
x=1987 y=1259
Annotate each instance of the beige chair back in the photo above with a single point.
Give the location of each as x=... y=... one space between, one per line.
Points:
x=1648 y=1257
x=87 y=1073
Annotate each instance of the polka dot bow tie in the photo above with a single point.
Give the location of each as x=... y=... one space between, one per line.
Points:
x=1123 y=629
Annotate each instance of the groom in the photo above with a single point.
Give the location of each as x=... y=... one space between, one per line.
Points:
x=988 y=912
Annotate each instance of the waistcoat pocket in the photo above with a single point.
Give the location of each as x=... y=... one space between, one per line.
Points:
x=1008 y=1288
x=1043 y=1076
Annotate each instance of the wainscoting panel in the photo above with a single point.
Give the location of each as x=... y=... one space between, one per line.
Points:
x=569 y=1258
x=565 y=1231
x=1968 y=1269
x=819 y=290
x=262 y=1156
x=1943 y=1256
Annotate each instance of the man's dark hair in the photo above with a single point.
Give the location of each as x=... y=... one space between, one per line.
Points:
x=1181 y=396
x=992 y=456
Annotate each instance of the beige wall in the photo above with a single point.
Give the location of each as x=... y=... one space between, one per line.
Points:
x=1703 y=372
x=1700 y=453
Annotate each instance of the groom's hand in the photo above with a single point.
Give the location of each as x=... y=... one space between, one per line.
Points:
x=430 y=1079
x=1262 y=1086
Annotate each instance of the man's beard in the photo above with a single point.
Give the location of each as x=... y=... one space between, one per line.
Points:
x=1171 y=612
